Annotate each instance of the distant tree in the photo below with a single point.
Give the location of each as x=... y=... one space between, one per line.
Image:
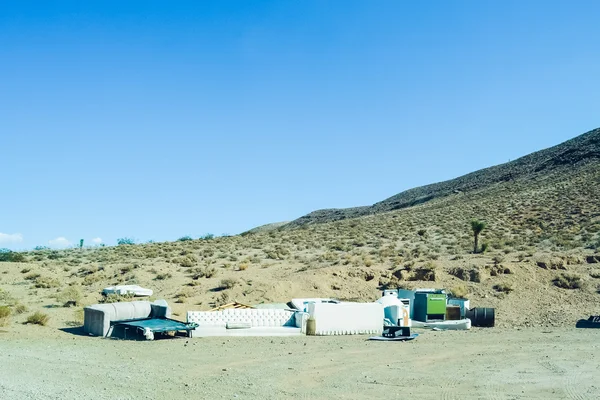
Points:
x=477 y=226
x=208 y=236
x=80 y=244
x=185 y=238
x=125 y=240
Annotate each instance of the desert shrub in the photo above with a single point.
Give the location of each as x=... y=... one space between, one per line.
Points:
x=503 y=287
x=186 y=238
x=568 y=281
x=70 y=296
x=25 y=270
x=243 y=267
x=459 y=291
x=32 y=276
x=189 y=261
x=44 y=282
x=125 y=241
x=20 y=308
x=116 y=298
x=38 y=318
x=484 y=247
x=91 y=279
x=162 y=276
x=5 y=313
x=210 y=272
x=208 y=236
x=7 y=255
x=6 y=297
x=228 y=283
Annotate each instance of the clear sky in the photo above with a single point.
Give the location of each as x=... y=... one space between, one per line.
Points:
x=156 y=119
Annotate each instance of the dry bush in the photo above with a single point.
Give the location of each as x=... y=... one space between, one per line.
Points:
x=116 y=298
x=70 y=296
x=5 y=313
x=210 y=272
x=243 y=267
x=25 y=270
x=568 y=281
x=38 y=318
x=459 y=291
x=20 y=308
x=460 y=273
x=162 y=276
x=503 y=287
x=91 y=279
x=46 y=283
x=228 y=283
x=189 y=261
x=32 y=276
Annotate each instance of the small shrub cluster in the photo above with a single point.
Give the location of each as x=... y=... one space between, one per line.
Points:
x=38 y=318
x=568 y=281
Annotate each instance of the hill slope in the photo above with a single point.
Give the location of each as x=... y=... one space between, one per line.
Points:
x=566 y=156
x=541 y=267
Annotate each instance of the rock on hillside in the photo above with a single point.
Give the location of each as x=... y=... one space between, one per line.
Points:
x=564 y=157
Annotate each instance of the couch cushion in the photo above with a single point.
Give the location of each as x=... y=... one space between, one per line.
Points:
x=254 y=317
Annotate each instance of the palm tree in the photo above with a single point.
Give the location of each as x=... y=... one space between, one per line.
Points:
x=477 y=227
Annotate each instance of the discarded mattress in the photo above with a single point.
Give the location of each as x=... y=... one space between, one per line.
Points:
x=394 y=339
x=127 y=289
x=458 y=325
x=346 y=318
x=592 y=322
x=302 y=304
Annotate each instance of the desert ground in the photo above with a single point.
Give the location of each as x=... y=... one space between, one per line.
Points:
x=492 y=363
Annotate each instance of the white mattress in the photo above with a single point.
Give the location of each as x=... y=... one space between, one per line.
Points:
x=128 y=289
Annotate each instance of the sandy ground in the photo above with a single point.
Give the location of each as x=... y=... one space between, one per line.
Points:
x=478 y=364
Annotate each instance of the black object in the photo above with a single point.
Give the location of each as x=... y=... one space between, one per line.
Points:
x=395 y=331
x=482 y=317
x=592 y=322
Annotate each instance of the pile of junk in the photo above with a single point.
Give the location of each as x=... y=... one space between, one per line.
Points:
x=429 y=308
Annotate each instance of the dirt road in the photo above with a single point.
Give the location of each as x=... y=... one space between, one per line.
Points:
x=480 y=364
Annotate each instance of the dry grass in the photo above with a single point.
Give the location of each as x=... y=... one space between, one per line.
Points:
x=38 y=318
x=568 y=281
x=5 y=313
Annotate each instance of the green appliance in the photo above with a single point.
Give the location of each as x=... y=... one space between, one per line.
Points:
x=430 y=306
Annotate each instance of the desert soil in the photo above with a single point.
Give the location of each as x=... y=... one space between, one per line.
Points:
x=496 y=363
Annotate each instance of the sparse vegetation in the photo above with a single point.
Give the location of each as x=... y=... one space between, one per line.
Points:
x=568 y=281
x=477 y=226
x=5 y=313
x=70 y=296
x=228 y=283
x=125 y=241
x=38 y=318
x=504 y=287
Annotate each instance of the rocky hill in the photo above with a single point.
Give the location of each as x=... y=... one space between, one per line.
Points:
x=568 y=156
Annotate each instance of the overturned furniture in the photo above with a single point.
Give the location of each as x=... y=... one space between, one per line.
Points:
x=345 y=318
x=248 y=322
x=132 y=317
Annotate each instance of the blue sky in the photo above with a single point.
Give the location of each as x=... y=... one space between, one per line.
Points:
x=154 y=120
